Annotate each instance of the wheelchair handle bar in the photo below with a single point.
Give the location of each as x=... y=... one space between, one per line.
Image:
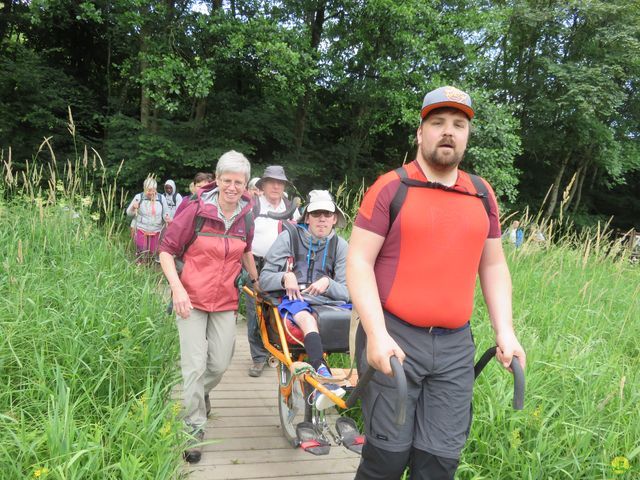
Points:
x=518 y=376
x=288 y=213
x=401 y=387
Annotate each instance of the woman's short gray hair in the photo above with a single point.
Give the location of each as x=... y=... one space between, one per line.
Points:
x=233 y=162
x=149 y=183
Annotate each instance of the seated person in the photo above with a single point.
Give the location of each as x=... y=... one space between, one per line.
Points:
x=308 y=261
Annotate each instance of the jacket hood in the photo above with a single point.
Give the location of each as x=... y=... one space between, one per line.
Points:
x=172 y=184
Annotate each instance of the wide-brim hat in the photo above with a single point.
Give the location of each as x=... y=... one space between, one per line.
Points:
x=275 y=172
x=322 y=200
x=447 y=97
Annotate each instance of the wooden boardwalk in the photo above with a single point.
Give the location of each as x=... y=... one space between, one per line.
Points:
x=246 y=428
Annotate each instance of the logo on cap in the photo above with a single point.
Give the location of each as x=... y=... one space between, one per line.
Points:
x=455 y=95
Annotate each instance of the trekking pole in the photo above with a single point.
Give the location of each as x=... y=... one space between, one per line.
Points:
x=401 y=387
x=518 y=376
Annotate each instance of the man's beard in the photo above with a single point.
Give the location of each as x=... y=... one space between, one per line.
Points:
x=439 y=161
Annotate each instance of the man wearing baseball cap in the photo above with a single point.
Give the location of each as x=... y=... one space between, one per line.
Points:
x=423 y=233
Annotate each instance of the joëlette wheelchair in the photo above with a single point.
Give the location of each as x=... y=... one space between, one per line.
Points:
x=303 y=425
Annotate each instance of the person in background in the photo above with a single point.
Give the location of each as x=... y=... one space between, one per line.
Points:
x=514 y=234
x=253 y=188
x=272 y=184
x=149 y=211
x=212 y=236
x=200 y=180
x=173 y=198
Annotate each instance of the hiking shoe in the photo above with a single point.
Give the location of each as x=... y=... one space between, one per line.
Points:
x=256 y=369
x=193 y=454
x=321 y=401
x=207 y=405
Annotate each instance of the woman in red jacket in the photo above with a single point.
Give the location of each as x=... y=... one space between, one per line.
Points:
x=213 y=237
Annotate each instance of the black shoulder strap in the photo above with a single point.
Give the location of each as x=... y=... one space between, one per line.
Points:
x=405 y=182
x=481 y=189
x=293 y=237
x=399 y=197
x=248 y=223
x=256 y=208
x=332 y=249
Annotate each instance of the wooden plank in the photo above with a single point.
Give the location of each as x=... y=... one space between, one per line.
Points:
x=265 y=456
x=278 y=469
x=205 y=474
x=245 y=433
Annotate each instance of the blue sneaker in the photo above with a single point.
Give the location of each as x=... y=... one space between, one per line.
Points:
x=321 y=400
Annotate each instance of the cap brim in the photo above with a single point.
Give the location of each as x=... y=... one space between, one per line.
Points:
x=260 y=182
x=342 y=217
x=468 y=111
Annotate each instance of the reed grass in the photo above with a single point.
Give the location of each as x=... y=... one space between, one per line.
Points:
x=87 y=357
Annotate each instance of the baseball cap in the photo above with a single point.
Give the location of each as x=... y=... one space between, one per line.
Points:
x=322 y=200
x=447 y=97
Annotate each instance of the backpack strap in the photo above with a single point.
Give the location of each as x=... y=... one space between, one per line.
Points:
x=482 y=191
x=332 y=249
x=405 y=182
x=257 y=214
x=399 y=197
x=293 y=238
x=248 y=223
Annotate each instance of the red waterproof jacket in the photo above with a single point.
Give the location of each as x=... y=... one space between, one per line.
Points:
x=212 y=259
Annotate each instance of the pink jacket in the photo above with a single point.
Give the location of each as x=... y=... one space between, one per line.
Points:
x=213 y=259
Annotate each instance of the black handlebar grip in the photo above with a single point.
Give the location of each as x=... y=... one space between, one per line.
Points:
x=401 y=387
x=518 y=376
x=518 y=384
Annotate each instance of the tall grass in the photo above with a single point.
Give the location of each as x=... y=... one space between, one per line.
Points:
x=87 y=358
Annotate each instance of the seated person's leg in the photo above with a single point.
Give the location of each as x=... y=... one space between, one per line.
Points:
x=313 y=346
x=312 y=340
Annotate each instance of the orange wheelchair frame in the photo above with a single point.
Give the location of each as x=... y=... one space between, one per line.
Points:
x=295 y=388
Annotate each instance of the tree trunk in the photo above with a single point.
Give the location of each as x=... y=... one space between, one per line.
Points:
x=576 y=204
x=5 y=18
x=316 y=24
x=145 y=101
x=201 y=109
x=553 y=199
x=574 y=186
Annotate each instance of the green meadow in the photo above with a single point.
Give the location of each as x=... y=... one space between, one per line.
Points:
x=87 y=359
x=88 y=356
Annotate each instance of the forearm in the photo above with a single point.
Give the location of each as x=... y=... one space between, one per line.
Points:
x=249 y=264
x=363 y=290
x=495 y=281
x=168 y=264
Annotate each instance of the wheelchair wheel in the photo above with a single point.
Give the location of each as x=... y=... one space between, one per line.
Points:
x=293 y=408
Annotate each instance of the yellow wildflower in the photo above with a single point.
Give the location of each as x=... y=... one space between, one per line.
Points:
x=165 y=430
x=620 y=465
x=40 y=472
x=516 y=439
